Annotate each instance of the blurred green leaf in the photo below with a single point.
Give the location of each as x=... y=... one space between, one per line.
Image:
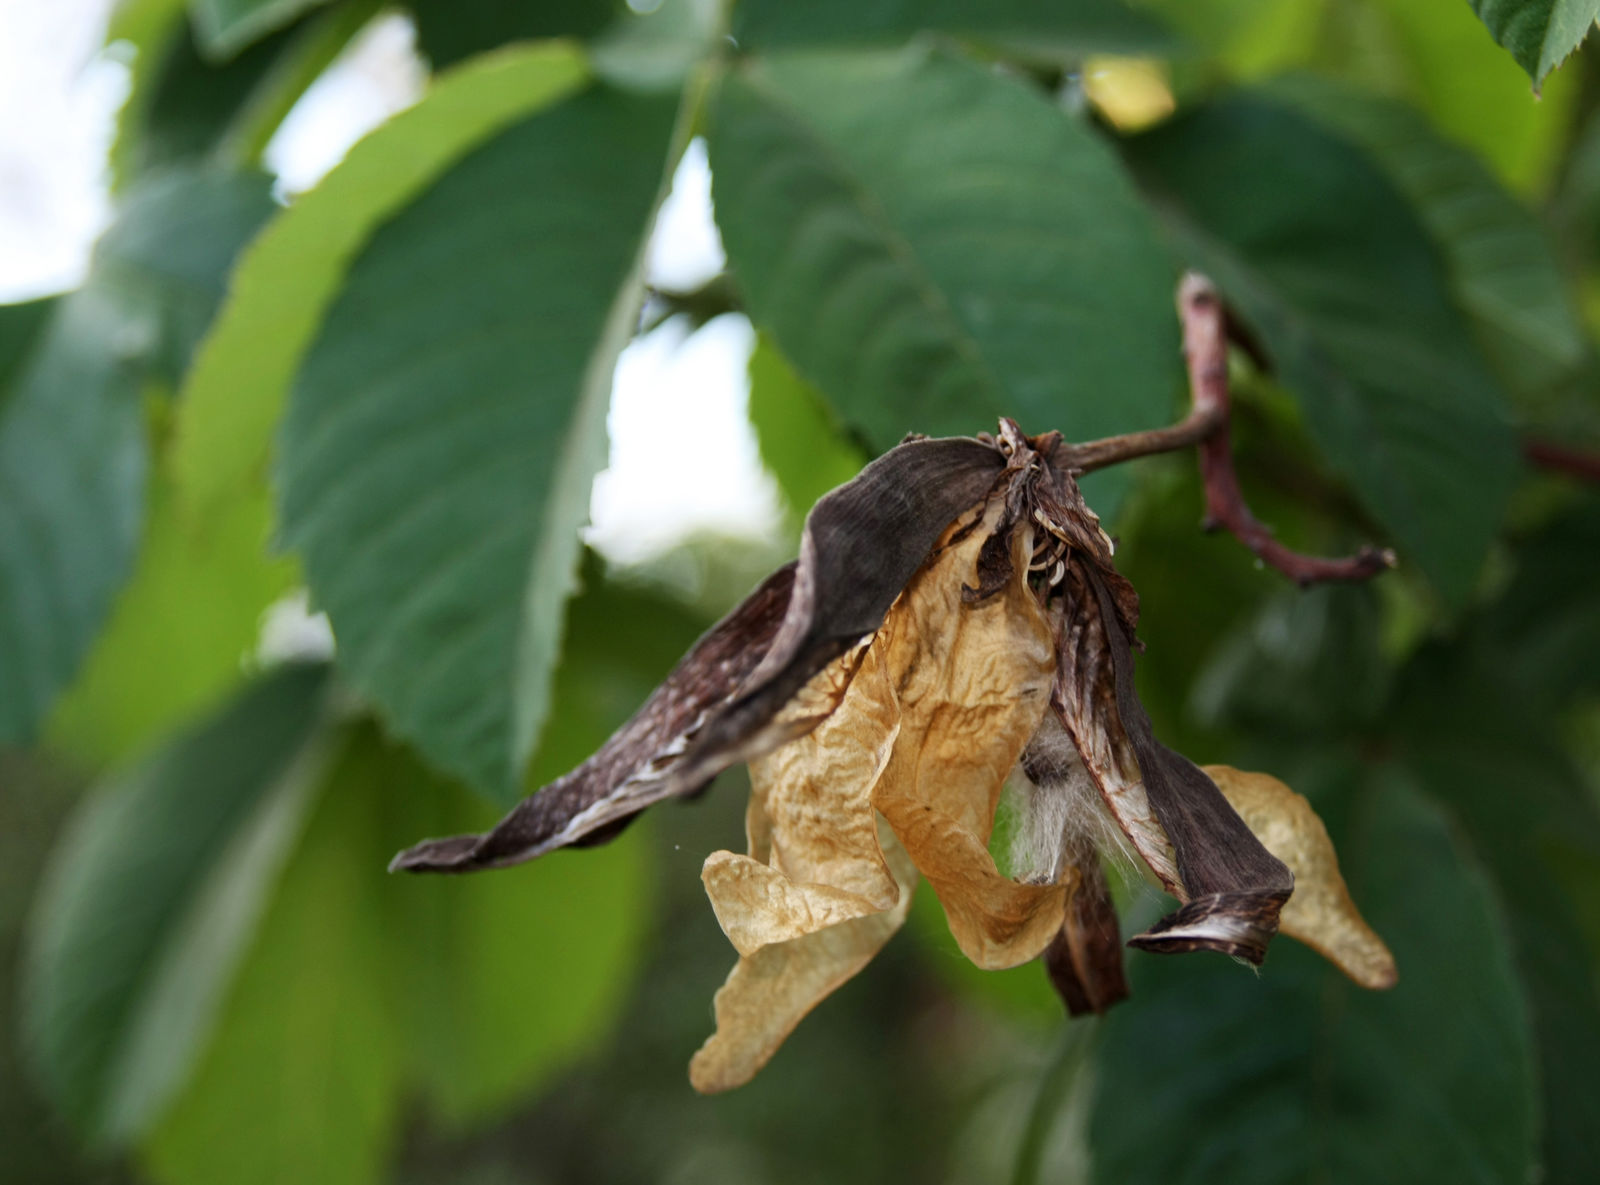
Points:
x=182 y=630
x=934 y=245
x=286 y=281
x=1545 y=622
x=659 y=47
x=71 y=485
x=151 y=899
x=301 y=1081
x=449 y=31
x=224 y=27
x=1209 y=1074
x=167 y=258
x=1501 y=263
x=1314 y=246
x=363 y=986
x=1538 y=33
x=181 y=105
x=1474 y=739
x=72 y=449
x=446 y=427
x=21 y=326
x=506 y=979
x=1251 y=39
x=801 y=445
x=1443 y=61
x=1033 y=26
x=509 y=976
x=1309 y=664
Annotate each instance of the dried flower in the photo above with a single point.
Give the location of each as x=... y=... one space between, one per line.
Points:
x=954 y=622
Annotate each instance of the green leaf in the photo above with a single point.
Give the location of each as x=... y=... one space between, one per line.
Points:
x=449 y=31
x=1031 y=26
x=1538 y=33
x=934 y=245
x=182 y=630
x=151 y=899
x=72 y=448
x=71 y=485
x=446 y=427
x=224 y=27
x=1209 y=1074
x=167 y=257
x=302 y=1080
x=1322 y=256
x=1474 y=738
x=21 y=325
x=364 y=987
x=1474 y=93
x=1307 y=665
x=1544 y=623
x=181 y=105
x=1500 y=261
x=235 y=393
x=801 y=445
x=509 y=978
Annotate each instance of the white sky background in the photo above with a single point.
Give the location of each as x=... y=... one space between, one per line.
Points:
x=683 y=457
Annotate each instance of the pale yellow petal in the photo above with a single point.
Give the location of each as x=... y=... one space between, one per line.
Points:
x=771 y=991
x=811 y=815
x=973 y=679
x=1320 y=913
x=757 y=906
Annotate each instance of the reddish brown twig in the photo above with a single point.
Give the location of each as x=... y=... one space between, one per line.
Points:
x=1579 y=463
x=1205 y=348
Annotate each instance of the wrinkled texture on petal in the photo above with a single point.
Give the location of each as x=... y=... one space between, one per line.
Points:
x=972 y=680
x=771 y=990
x=814 y=859
x=1320 y=913
x=721 y=704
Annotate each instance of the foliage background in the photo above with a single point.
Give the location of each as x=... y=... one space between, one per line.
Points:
x=392 y=391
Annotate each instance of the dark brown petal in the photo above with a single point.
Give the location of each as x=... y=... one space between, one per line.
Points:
x=1084 y=961
x=1233 y=886
x=721 y=704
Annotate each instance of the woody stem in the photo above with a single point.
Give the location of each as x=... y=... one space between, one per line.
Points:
x=1205 y=349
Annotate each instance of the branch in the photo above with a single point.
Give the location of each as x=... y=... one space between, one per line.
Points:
x=1205 y=348
x=1560 y=458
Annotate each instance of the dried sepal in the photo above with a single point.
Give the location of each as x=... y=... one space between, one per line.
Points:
x=721 y=704
x=1321 y=913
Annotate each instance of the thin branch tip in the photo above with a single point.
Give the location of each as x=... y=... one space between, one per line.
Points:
x=1205 y=351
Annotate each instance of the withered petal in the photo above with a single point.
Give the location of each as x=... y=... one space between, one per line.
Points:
x=1233 y=888
x=1084 y=960
x=972 y=676
x=642 y=763
x=1321 y=913
x=771 y=990
x=861 y=544
x=814 y=854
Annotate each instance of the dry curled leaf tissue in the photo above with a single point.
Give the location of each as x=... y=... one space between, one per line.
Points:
x=954 y=624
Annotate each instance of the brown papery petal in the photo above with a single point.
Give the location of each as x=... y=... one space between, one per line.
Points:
x=771 y=991
x=722 y=703
x=1320 y=913
x=973 y=678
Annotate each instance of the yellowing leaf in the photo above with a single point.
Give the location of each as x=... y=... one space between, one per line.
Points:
x=1320 y=912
